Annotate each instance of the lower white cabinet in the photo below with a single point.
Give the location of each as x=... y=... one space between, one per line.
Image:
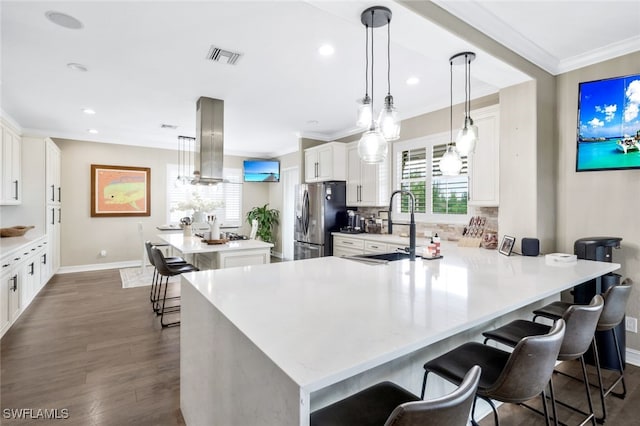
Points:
x=24 y=272
x=352 y=245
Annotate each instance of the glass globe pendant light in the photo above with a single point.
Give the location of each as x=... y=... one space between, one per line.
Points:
x=451 y=163
x=468 y=135
x=372 y=146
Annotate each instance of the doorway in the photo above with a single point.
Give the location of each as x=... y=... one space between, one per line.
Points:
x=290 y=179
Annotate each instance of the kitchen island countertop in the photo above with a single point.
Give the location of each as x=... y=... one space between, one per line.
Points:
x=321 y=321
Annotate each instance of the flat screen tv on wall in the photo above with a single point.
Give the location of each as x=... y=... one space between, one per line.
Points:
x=261 y=171
x=609 y=124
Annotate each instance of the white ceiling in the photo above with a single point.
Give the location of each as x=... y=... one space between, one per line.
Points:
x=146 y=63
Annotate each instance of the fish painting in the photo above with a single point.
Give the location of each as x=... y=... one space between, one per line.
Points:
x=130 y=193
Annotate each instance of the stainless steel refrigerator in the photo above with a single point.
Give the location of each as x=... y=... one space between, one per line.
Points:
x=321 y=208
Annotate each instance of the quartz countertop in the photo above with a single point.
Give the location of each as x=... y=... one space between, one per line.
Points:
x=194 y=245
x=11 y=244
x=326 y=319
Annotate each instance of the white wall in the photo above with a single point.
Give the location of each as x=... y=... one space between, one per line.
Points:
x=603 y=203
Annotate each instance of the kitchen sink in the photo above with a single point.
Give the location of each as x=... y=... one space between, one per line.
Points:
x=387 y=256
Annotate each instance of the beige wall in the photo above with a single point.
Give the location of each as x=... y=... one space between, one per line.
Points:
x=83 y=236
x=603 y=203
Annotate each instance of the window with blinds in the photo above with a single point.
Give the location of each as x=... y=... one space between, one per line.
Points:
x=418 y=170
x=449 y=194
x=230 y=193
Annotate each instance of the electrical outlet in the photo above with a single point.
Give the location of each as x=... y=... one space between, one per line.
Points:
x=631 y=324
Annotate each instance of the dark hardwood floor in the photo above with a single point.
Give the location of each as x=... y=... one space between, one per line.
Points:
x=97 y=350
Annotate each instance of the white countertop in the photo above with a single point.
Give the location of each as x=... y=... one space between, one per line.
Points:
x=194 y=245
x=10 y=244
x=323 y=320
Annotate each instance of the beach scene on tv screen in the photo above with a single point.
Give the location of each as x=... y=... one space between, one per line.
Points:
x=261 y=171
x=609 y=124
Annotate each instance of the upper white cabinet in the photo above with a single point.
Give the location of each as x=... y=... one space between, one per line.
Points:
x=52 y=161
x=11 y=186
x=485 y=162
x=367 y=184
x=325 y=162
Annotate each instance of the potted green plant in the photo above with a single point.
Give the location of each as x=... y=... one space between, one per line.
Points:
x=266 y=218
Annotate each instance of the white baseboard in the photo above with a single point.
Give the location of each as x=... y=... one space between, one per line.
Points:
x=98 y=267
x=276 y=254
x=632 y=357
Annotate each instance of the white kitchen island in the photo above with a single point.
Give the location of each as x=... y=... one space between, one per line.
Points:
x=218 y=256
x=268 y=344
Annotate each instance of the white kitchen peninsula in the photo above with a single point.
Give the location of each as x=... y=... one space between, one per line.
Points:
x=218 y=256
x=267 y=344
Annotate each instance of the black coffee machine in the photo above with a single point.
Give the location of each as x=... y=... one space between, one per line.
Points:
x=600 y=249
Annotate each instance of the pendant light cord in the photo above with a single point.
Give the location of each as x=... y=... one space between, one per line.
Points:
x=466 y=93
x=389 y=57
x=371 y=126
x=469 y=79
x=366 y=73
x=450 y=102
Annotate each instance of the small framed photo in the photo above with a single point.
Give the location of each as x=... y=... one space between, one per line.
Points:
x=507 y=245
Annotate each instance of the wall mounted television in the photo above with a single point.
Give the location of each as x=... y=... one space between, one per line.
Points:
x=609 y=124
x=261 y=171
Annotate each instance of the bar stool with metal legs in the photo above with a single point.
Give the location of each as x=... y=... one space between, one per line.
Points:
x=581 y=322
x=613 y=313
x=166 y=271
x=514 y=377
x=388 y=404
x=171 y=261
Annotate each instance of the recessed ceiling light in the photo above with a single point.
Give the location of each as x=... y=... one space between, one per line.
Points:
x=313 y=122
x=92 y=131
x=63 y=20
x=326 y=50
x=77 y=67
x=88 y=111
x=412 y=81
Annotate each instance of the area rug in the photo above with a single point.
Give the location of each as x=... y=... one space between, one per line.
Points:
x=135 y=277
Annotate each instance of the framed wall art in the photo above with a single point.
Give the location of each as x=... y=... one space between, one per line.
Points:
x=120 y=191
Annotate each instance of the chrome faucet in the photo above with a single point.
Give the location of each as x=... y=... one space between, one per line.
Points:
x=412 y=224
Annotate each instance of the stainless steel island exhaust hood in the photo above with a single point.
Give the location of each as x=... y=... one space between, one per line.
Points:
x=209 y=141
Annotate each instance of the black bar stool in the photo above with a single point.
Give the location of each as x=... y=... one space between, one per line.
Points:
x=171 y=261
x=166 y=271
x=581 y=322
x=514 y=377
x=389 y=404
x=613 y=313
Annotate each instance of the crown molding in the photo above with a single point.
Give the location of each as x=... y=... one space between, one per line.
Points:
x=610 y=51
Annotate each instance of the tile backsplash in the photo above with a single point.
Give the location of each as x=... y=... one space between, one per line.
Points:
x=446 y=231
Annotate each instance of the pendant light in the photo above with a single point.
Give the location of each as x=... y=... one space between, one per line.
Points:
x=185 y=164
x=388 y=120
x=468 y=135
x=372 y=147
x=450 y=163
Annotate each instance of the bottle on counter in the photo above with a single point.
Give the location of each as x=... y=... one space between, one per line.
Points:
x=436 y=242
x=214 y=228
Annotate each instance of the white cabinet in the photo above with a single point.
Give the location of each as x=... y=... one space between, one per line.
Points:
x=325 y=162
x=347 y=246
x=10 y=173
x=52 y=161
x=54 y=220
x=485 y=162
x=21 y=278
x=367 y=184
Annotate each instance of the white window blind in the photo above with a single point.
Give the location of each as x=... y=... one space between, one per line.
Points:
x=417 y=169
x=229 y=215
x=449 y=194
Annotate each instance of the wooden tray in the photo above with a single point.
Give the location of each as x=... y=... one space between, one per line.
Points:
x=212 y=242
x=14 y=231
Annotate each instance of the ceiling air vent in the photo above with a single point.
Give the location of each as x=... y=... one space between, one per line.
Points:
x=225 y=56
